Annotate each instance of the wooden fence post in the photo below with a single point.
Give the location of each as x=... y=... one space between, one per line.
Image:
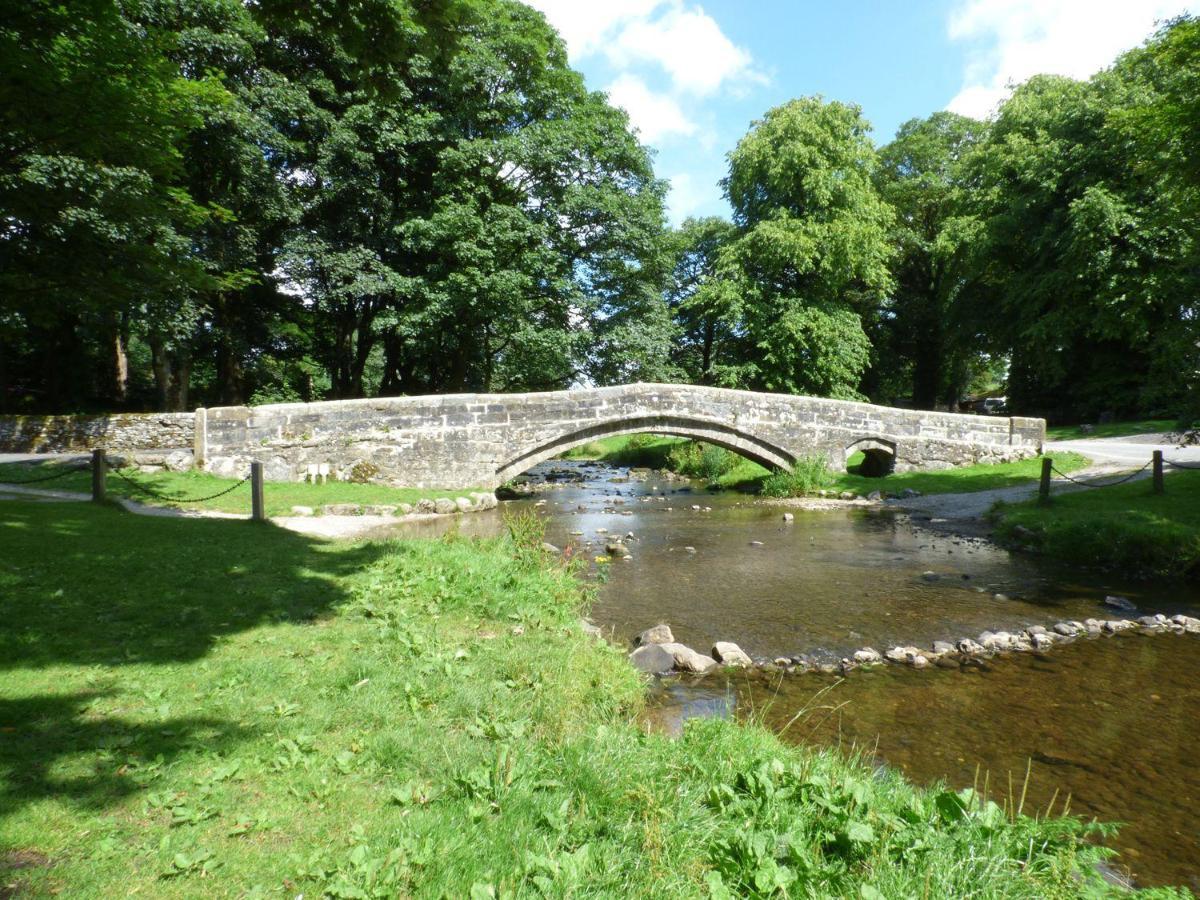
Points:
x=99 y=473
x=1044 y=487
x=257 y=506
x=1158 y=472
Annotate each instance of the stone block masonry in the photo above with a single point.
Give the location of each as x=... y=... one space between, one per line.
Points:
x=116 y=432
x=482 y=440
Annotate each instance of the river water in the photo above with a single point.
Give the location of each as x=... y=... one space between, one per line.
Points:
x=1113 y=722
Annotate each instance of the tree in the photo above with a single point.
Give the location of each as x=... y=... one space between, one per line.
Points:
x=92 y=112
x=1090 y=244
x=811 y=256
x=927 y=331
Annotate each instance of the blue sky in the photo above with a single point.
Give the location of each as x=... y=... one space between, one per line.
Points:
x=694 y=75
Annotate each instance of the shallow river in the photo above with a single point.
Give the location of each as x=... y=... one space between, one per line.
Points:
x=1113 y=722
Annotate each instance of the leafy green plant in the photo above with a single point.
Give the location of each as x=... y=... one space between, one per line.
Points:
x=809 y=474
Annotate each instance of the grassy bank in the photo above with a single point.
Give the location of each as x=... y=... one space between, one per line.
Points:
x=214 y=708
x=658 y=452
x=280 y=496
x=1125 y=527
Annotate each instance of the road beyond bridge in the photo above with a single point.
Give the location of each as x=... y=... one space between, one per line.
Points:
x=482 y=440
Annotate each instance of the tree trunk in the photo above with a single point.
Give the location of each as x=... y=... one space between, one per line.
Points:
x=160 y=363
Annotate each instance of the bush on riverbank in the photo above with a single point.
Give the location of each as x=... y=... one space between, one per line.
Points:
x=807 y=476
x=1124 y=527
x=214 y=707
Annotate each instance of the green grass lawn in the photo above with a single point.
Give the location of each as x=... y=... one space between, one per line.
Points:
x=1125 y=527
x=749 y=476
x=280 y=496
x=1111 y=429
x=217 y=708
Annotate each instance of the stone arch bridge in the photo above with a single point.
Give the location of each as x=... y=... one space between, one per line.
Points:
x=482 y=440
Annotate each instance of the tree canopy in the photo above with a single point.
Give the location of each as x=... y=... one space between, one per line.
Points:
x=220 y=202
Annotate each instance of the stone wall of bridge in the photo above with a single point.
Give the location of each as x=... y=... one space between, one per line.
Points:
x=116 y=431
x=482 y=440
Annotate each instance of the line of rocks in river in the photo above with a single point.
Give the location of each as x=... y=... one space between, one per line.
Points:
x=656 y=651
x=442 y=506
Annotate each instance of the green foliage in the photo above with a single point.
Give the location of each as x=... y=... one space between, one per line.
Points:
x=250 y=716
x=697 y=459
x=808 y=475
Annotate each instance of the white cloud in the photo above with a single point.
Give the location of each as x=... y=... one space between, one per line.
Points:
x=586 y=25
x=689 y=45
x=654 y=115
x=1015 y=39
x=681 y=39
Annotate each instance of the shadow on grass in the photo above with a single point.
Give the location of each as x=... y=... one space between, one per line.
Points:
x=51 y=747
x=93 y=586
x=87 y=585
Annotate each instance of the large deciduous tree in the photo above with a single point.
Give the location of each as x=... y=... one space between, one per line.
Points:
x=810 y=260
x=927 y=335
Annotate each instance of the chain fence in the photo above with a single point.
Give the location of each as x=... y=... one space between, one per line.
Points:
x=61 y=473
x=148 y=491
x=1092 y=484
x=1179 y=465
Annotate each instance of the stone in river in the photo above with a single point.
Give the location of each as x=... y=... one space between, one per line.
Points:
x=943 y=647
x=788 y=517
x=867 y=656
x=659 y=634
x=652 y=659
x=1122 y=603
x=688 y=660
x=730 y=654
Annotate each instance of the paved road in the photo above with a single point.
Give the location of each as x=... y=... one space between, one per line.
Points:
x=1131 y=451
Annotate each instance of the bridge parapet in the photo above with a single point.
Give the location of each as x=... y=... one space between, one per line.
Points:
x=481 y=440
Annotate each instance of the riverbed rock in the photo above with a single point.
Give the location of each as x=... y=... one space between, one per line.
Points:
x=341 y=509
x=730 y=654
x=463 y=504
x=591 y=629
x=1066 y=629
x=875 y=496
x=909 y=493
x=1041 y=641
x=1116 y=626
x=1150 y=623
x=896 y=655
x=302 y=510
x=659 y=634
x=652 y=659
x=969 y=647
x=689 y=660
x=1122 y=603
x=867 y=656
x=929 y=576
x=756 y=544
x=788 y=517
x=405 y=509
x=1190 y=624
x=918 y=661
x=1035 y=629
x=484 y=500
x=548 y=547
x=847 y=495
x=941 y=648
x=999 y=640
x=425 y=505
x=615 y=548
x=443 y=506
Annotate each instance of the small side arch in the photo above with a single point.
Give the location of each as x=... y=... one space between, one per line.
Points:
x=762 y=452
x=879 y=455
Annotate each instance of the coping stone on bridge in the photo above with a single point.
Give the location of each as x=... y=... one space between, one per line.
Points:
x=482 y=440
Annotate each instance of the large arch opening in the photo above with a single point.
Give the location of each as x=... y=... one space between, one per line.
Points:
x=871 y=457
x=755 y=449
